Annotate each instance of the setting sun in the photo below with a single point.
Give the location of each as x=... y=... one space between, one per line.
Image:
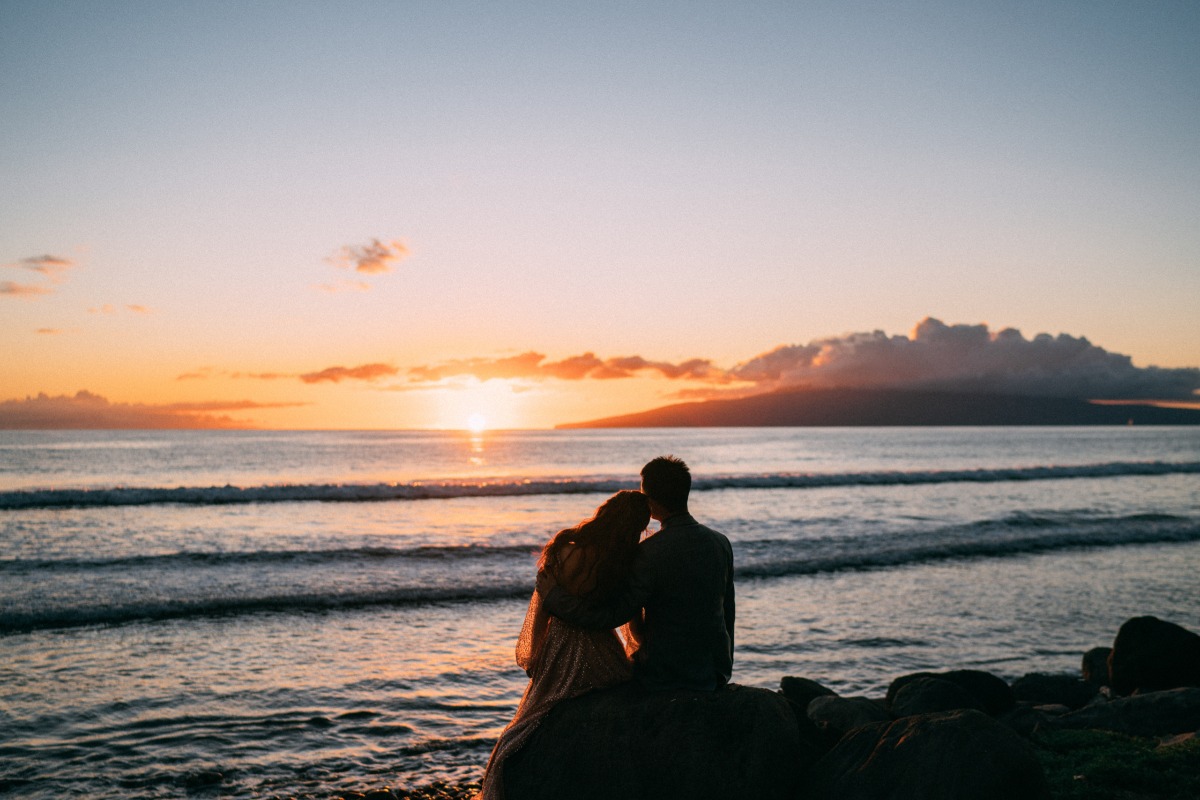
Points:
x=477 y=423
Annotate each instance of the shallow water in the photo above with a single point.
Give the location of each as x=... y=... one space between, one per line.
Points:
x=300 y=647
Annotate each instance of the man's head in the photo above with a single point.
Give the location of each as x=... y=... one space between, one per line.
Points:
x=666 y=481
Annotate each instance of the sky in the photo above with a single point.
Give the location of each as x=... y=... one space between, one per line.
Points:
x=411 y=215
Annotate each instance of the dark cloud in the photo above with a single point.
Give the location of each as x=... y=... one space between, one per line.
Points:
x=967 y=358
x=87 y=410
x=365 y=372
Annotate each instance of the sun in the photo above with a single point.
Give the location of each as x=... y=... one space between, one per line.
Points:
x=476 y=423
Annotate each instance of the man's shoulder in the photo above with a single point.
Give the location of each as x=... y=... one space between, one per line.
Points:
x=681 y=534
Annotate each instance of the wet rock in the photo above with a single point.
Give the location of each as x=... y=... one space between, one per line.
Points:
x=841 y=714
x=737 y=743
x=380 y=794
x=1042 y=689
x=991 y=693
x=950 y=756
x=926 y=695
x=1150 y=655
x=1152 y=714
x=1095 y=666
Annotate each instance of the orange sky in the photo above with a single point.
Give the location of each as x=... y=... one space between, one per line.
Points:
x=370 y=216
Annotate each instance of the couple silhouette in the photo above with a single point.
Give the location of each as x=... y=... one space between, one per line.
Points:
x=610 y=607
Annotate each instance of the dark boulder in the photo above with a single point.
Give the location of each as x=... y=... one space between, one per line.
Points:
x=951 y=756
x=801 y=691
x=624 y=742
x=1041 y=689
x=929 y=695
x=1095 y=666
x=839 y=715
x=1150 y=714
x=1150 y=655
x=991 y=693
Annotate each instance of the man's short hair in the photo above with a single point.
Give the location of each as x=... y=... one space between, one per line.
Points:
x=666 y=480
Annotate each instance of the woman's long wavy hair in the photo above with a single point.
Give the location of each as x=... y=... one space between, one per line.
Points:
x=609 y=538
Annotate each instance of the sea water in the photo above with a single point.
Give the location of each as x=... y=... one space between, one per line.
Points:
x=248 y=614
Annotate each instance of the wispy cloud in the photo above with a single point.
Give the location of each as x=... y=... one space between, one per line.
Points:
x=533 y=365
x=26 y=290
x=50 y=331
x=109 y=310
x=87 y=410
x=365 y=372
x=53 y=268
x=374 y=258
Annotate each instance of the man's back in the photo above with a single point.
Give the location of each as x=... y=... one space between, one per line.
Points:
x=684 y=580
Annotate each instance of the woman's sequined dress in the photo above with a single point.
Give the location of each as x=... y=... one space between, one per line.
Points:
x=562 y=661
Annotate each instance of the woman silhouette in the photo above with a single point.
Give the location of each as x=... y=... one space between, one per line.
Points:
x=591 y=560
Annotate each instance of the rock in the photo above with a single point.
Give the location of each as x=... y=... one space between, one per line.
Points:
x=801 y=691
x=929 y=694
x=1023 y=719
x=380 y=794
x=1150 y=655
x=842 y=714
x=1095 y=666
x=1151 y=714
x=1042 y=689
x=950 y=756
x=624 y=742
x=992 y=694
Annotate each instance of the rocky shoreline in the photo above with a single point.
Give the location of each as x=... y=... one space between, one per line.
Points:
x=1124 y=727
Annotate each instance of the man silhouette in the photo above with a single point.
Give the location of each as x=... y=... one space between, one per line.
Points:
x=681 y=586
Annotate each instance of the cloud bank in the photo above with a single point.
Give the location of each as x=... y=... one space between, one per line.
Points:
x=87 y=410
x=966 y=358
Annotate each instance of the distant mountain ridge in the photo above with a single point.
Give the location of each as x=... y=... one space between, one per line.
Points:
x=891 y=407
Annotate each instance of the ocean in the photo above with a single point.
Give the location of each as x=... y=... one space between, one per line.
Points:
x=251 y=614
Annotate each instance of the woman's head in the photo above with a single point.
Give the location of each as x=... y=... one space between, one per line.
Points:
x=611 y=534
x=621 y=518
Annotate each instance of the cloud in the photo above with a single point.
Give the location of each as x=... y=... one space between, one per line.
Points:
x=533 y=365
x=46 y=264
x=87 y=410
x=365 y=372
x=51 y=267
x=50 y=331
x=375 y=258
x=109 y=310
x=23 y=289
x=966 y=358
